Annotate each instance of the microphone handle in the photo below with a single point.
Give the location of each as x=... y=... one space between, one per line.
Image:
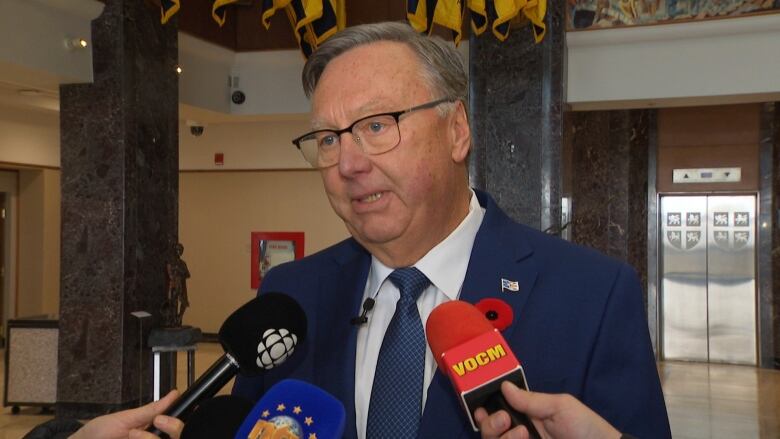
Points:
x=497 y=402
x=206 y=386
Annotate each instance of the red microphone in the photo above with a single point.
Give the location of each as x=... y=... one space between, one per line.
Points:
x=476 y=358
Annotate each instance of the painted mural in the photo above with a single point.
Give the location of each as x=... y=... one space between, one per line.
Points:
x=590 y=14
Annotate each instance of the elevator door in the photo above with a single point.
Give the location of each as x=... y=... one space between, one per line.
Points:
x=708 y=278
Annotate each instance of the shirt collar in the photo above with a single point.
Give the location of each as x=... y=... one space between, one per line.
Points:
x=444 y=264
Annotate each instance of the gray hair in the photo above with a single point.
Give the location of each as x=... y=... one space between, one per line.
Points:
x=442 y=66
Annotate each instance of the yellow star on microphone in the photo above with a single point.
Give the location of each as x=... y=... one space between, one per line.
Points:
x=308 y=421
x=297 y=410
x=266 y=413
x=280 y=408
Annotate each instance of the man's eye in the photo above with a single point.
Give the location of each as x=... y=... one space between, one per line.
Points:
x=376 y=126
x=328 y=140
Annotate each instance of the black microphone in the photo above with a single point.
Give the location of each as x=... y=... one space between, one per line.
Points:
x=368 y=305
x=218 y=417
x=260 y=335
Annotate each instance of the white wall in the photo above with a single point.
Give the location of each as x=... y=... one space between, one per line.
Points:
x=709 y=62
x=8 y=184
x=246 y=145
x=30 y=137
x=33 y=33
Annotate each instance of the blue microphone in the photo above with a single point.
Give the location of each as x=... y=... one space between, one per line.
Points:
x=297 y=408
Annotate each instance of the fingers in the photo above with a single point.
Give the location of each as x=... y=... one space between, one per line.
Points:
x=169 y=425
x=535 y=405
x=166 y=424
x=492 y=426
x=143 y=415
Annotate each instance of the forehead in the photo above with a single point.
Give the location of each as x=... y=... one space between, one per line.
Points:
x=377 y=76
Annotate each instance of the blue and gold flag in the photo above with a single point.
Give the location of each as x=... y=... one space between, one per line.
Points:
x=218 y=11
x=314 y=21
x=479 y=18
x=168 y=8
x=423 y=14
x=500 y=12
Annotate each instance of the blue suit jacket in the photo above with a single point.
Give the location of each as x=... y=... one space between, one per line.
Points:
x=579 y=327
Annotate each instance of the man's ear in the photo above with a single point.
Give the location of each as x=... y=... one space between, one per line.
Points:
x=459 y=132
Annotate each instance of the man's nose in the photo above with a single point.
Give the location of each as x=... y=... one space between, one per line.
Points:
x=352 y=158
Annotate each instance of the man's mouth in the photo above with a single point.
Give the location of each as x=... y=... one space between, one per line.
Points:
x=371 y=198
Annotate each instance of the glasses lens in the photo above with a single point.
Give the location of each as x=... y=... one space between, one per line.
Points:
x=377 y=134
x=320 y=149
x=308 y=148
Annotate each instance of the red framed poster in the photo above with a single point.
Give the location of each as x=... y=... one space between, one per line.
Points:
x=270 y=249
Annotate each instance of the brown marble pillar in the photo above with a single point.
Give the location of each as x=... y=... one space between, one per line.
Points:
x=119 y=155
x=769 y=246
x=609 y=174
x=516 y=105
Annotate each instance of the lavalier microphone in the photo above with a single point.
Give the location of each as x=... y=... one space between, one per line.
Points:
x=368 y=305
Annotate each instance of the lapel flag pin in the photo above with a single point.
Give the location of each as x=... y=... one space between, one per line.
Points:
x=509 y=285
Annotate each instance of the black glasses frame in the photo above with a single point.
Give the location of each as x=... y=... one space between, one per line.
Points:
x=394 y=114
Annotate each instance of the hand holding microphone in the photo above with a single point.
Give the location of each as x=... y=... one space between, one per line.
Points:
x=476 y=358
x=490 y=381
x=559 y=417
x=260 y=335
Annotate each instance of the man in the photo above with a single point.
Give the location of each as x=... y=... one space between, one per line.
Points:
x=391 y=137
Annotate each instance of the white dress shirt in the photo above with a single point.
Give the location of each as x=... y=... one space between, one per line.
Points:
x=445 y=266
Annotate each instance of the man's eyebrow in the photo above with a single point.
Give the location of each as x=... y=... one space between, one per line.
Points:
x=371 y=107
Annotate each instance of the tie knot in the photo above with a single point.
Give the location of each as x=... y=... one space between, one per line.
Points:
x=410 y=281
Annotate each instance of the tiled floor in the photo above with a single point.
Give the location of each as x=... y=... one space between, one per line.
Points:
x=704 y=400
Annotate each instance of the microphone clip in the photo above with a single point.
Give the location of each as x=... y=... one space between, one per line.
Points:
x=368 y=305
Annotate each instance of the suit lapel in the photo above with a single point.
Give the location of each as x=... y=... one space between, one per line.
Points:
x=340 y=300
x=498 y=253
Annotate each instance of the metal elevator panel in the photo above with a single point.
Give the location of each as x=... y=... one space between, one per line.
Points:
x=708 y=278
x=731 y=279
x=684 y=278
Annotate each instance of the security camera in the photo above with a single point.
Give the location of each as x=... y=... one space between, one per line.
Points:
x=196 y=128
x=238 y=97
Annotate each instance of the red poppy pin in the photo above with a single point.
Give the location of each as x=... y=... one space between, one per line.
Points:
x=498 y=312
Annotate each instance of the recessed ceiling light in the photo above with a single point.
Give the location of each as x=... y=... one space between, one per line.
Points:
x=30 y=92
x=75 y=43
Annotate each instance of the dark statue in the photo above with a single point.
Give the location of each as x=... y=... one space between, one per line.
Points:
x=176 y=301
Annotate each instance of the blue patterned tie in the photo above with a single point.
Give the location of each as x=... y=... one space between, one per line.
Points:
x=396 y=397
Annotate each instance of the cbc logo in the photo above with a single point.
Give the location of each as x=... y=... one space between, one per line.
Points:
x=275 y=347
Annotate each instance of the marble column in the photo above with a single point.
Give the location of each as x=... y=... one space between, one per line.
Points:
x=609 y=183
x=119 y=153
x=516 y=106
x=769 y=243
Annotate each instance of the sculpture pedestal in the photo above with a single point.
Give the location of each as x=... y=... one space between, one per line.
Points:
x=165 y=344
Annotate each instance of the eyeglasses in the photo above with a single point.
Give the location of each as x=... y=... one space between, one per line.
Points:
x=376 y=134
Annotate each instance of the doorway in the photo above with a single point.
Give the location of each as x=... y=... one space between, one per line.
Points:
x=708 y=278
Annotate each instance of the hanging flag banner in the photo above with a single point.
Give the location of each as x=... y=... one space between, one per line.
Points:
x=314 y=21
x=423 y=14
x=168 y=9
x=505 y=10
x=219 y=12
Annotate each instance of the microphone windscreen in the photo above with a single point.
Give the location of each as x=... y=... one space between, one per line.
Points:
x=454 y=323
x=264 y=332
x=293 y=408
x=218 y=417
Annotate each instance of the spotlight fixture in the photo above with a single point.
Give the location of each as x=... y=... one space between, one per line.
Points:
x=178 y=70
x=75 y=43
